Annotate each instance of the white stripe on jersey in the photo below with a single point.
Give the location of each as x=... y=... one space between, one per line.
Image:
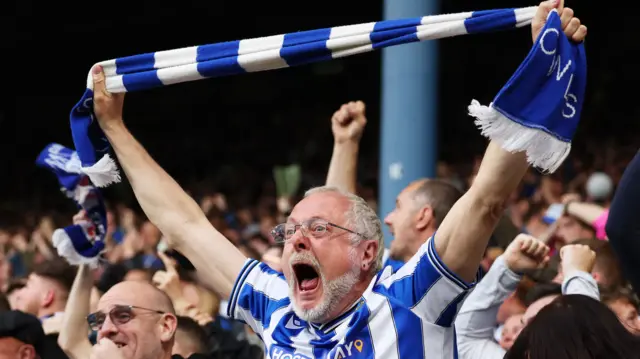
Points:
x=399 y=316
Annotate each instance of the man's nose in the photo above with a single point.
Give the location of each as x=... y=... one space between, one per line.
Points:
x=300 y=241
x=108 y=329
x=387 y=219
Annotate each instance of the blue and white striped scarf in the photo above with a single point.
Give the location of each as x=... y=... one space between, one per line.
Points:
x=537 y=111
x=79 y=243
x=162 y=68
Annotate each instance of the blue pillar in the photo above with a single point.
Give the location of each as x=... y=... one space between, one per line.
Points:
x=408 y=123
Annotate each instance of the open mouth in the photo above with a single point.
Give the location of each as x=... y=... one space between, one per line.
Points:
x=119 y=345
x=306 y=277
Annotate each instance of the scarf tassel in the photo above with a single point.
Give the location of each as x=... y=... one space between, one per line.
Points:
x=544 y=151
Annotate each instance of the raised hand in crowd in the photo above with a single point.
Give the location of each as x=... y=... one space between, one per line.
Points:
x=169 y=282
x=526 y=253
x=106 y=349
x=576 y=257
x=347 y=125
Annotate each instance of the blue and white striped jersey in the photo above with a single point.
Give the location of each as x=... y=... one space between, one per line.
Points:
x=388 y=261
x=406 y=314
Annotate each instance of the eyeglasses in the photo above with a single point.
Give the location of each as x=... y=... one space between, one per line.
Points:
x=313 y=228
x=119 y=315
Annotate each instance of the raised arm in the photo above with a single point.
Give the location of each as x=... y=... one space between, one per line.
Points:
x=74 y=333
x=347 y=125
x=464 y=233
x=167 y=205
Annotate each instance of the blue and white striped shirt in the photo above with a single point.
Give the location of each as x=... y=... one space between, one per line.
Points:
x=406 y=314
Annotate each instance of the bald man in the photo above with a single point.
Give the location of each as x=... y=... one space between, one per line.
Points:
x=420 y=208
x=134 y=320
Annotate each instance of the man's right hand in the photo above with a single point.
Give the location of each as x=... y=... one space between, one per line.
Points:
x=577 y=257
x=526 y=253
x=106 y=106
x=347 y=124
x=571 y=25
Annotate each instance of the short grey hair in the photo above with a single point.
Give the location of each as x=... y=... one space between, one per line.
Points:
x=361 y=218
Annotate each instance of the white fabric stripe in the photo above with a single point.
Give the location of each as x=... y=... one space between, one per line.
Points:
x=385 y=342
x=350 y=30
x=242 y=277
x=260 y=44
x=435 y=344
x=345 y=43
x=524 y=23
x=109 y=67
x=174 y=75
x=525 y=13
x=245 y=315
x=301 y=343
x=358 y=50
x=436 y=300
x=261 y=54
x=268 y=284
x=261 y=61
x=178 y=57
x=438 y=31
x=276 y=319
x=434 y=19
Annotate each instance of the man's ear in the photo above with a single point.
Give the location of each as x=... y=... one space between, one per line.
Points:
x=27 y=352
x=369 y=255
x=168 y=327
x=424 y=217
x=48 y=298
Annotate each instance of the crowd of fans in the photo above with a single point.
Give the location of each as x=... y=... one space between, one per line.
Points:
x=566 y=210
x=554 y=285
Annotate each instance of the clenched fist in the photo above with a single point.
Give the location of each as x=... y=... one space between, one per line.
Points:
x=105 y=349
x=347 y=124
x=570 y=24
x=526 y=253
x=577 y=257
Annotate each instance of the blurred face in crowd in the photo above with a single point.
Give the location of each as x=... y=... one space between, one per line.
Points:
x=11 y=348
x=150 y=235
x=320 y=261
x=36 y=295
x=536 y=307
x=510 y=331
x=402 y=222
x=5 y=270
x=142 y=331
x=627 y=313
x=570 y=229
x=111 y=222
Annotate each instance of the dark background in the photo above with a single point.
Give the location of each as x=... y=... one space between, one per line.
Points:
x=257 y=120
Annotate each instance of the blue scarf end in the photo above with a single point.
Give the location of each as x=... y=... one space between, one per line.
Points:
x=84 y=242
x=91 y=144
x=539 y=108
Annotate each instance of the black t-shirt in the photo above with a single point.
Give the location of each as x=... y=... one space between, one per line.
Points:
x=192 y=356
x=51 y=348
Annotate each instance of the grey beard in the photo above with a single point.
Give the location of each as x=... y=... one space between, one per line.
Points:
x=333 y=291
